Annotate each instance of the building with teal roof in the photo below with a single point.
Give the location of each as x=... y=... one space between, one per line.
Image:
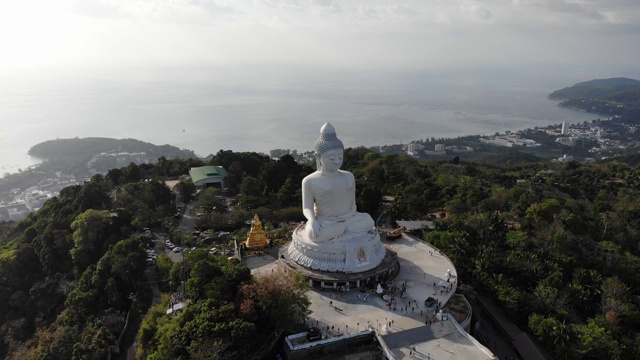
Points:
x=206 y=175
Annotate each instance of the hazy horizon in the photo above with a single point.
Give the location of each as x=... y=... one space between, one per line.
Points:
x=351 y=35
x=95 y=67
x=208 y=110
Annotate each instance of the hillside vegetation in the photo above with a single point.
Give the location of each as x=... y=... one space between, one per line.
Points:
x=556 y=245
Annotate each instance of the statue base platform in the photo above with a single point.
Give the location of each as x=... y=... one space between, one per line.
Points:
x=348 y=253
x=385 y=271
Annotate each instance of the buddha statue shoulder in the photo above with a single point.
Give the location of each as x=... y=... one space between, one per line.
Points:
x=328 y=194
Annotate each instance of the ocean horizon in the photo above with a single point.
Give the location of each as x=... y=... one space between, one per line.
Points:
x=207 y=113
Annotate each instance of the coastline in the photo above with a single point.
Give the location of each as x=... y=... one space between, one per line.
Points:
x=225 y=124
x=34 y=162
x=577 y=109
x=13 y=167
x=31 y=162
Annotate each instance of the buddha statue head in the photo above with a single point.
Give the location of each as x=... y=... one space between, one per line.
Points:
x=327 y=142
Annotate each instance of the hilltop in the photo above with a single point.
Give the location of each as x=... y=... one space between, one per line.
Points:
x=554 y=245
x=69 y=161
x=72 y=148
x=615 y=96
x=594 y=89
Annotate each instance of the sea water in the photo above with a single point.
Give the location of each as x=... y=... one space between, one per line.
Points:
x=206 y=111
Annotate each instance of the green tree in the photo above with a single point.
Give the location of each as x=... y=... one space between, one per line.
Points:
x=273 y=175
x=93 y=196
x=251 y=186
x=273 y=298
x=596 y=342
x=210 y=201
x=553 y=333
x=93 y=344
x=288 y=193
x=187 y=190
x=163 y=269
x=90 y=236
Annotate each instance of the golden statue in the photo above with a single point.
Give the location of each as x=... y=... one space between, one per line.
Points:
x=257 y=237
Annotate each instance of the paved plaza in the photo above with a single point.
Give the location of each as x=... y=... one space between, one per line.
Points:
x=421 y=266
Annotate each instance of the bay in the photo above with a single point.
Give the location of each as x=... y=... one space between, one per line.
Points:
x=207 y=110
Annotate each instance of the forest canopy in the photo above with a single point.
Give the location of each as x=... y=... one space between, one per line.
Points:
x=556 y=245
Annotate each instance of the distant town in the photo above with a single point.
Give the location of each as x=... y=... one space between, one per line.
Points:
x=604 y=141
x=17 y=203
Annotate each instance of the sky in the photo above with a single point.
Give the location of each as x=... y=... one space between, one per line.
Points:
x=597 y=36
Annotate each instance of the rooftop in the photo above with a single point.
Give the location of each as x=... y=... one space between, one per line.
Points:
x=200 y=173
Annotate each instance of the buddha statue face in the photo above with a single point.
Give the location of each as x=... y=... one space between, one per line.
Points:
x=331 y=160
x=328 y=149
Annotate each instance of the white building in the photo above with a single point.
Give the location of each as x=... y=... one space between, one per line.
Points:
x=413 y=148
x=278 y=153
x=569 y=141
x=497 y=141
x=565 y=158
x=14 y=211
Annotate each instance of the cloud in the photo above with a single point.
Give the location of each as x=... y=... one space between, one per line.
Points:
x=368 y=12
x=280 y=4
x=477 y=11
x=405 y=10
x=573 y=8
x=482 y=12
x=96 y=8
x=148 y=8
x=323 y=2
x=212 y=6
x=354 y=34
x=328 y=6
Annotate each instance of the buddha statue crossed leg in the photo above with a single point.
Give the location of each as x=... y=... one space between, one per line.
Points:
x=336 y=237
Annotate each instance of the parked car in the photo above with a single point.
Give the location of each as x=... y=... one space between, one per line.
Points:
x=213 y=251
x=177 y=249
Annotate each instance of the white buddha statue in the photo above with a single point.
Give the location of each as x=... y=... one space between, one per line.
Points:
x=336 y=237
x=329 y=194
